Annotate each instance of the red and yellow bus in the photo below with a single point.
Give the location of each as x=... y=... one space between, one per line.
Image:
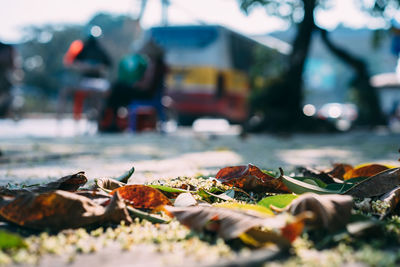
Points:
x=208 y=71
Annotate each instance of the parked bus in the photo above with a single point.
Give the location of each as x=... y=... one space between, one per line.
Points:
x=208 y=71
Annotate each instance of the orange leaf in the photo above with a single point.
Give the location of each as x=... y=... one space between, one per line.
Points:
x=250 y=178
x=142 y=197
x=292 y=230
x=365 y=171
x=339 y=169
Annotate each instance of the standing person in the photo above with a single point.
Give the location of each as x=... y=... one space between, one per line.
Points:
x=90 y=64
x=92 y=60
x=141 y=77
x=7 y=66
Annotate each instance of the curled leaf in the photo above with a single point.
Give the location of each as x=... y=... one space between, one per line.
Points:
x=68 y=183
x=250 y=178
x=230 y=224
x=125 y=177
x=108 y=184
x=60 y=210
x=330 y=211
x=392 y=198
x=185 y=200
x=376 y=185
x=299 y=187
x=365 y=171
x=142 y=196
x=99 y=197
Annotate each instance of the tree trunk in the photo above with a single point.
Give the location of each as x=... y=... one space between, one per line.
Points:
x=284 y=98
x=370 y=112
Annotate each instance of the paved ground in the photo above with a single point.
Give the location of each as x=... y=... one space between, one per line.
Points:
x=31 y=158
x=40 y=150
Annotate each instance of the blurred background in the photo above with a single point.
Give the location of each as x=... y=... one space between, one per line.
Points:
x=136 y=65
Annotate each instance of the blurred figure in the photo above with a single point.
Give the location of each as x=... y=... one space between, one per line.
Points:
x=7 y=65
x=91 y=62
x=140 y=77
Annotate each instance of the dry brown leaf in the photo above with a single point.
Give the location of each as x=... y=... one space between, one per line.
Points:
x=376 y=185
x=230 y=224
x=250 y=178
x=339 y=169
x=142 y=197
x=330 y=211
x=68 y=183
x=61 y=210
x=364 y=171
x=392 y=198
x=99 y=197
x=108 y=184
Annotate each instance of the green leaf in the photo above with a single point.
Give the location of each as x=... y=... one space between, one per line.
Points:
x=168 y=189
x=279 y=201
x=315 y=181
x=145 y=215
x=9 y=240
x=341 y=188
x=125 y=177
x=208 y=196
x=299 y=187
x=245 y=207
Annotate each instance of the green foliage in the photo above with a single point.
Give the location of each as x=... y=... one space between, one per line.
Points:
x=10 y=241
x=279 y=201
x=168 y=189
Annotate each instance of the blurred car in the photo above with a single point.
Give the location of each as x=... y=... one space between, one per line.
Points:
x=342 y=115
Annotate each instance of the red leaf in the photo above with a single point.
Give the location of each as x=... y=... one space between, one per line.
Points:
x=250 y=178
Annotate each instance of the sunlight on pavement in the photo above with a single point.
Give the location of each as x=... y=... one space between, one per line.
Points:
x=46 y=127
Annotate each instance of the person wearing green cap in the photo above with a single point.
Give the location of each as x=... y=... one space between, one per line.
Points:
x=140 y=77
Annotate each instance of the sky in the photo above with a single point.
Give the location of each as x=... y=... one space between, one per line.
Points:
x=16 y=14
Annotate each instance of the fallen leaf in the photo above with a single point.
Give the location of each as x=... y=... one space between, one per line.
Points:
x=330 y=211
x=323 y=176
x=211 y=197
x=10 y=241
x=364 y=171
x=99 y=197
x=250 y=178
x=230 y=224
x=169 y=189
x=68 y=183
x=125 y=177
x=392 y=198
x=298 y=186
x=108 y=184
x=60 y=210
x=142 y=196
x=339 y=169
x=185 y=200
x=246 y=208
x=278 y=201
x=376 y=185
